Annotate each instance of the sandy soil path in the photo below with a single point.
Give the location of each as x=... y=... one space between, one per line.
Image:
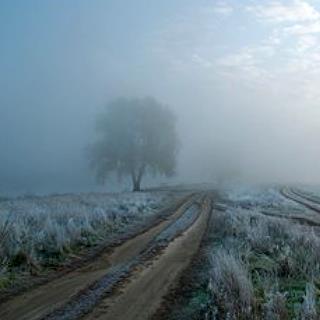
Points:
x=46 y=298
x=141 y=297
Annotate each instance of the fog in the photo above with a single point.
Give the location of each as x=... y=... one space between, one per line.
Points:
x=242 y=77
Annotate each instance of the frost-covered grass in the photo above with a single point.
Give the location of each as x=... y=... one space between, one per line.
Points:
x=268 y=200
x=37 y=232
x=230 y=284
x=255 y=196
x=256 y=266
x=280 y=260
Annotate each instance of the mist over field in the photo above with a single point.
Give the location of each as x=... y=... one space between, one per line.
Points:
x=159 y=159
x=242 y=78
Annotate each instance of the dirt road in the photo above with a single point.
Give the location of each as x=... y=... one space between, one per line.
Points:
x=149 y=284
x=143 y=295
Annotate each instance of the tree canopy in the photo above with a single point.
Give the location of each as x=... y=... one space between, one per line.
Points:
x=135 y=137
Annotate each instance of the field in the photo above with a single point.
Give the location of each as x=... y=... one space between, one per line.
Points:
x=181 y=253
x=39 y=233
x=256 y=262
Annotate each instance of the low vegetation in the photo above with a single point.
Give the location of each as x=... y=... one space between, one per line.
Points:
x=38 y=233
x=256 y=267
x=279 y=260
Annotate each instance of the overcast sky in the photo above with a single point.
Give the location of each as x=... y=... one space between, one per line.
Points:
x=242 y=76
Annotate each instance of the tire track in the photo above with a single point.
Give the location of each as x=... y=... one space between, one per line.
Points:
x=296 y=219
x=300 y=199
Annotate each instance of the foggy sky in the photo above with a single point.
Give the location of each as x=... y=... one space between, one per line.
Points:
x=242 y=77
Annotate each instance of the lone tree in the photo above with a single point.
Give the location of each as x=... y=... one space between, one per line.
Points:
x=135 y=137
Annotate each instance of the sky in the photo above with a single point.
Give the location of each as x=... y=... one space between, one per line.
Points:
x=242 y=77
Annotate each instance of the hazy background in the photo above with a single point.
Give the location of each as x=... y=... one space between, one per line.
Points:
x=242 y=76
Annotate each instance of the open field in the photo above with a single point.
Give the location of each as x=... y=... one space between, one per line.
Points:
x=240 y=253
x=40 y=234
x=160 y=160
x=255 y=262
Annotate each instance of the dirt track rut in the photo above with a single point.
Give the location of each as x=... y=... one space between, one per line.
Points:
x=301 y=199
x=40 y=301
x=141 y=297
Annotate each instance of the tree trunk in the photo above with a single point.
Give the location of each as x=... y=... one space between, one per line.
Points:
x=136 y=179
x=136 y=186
